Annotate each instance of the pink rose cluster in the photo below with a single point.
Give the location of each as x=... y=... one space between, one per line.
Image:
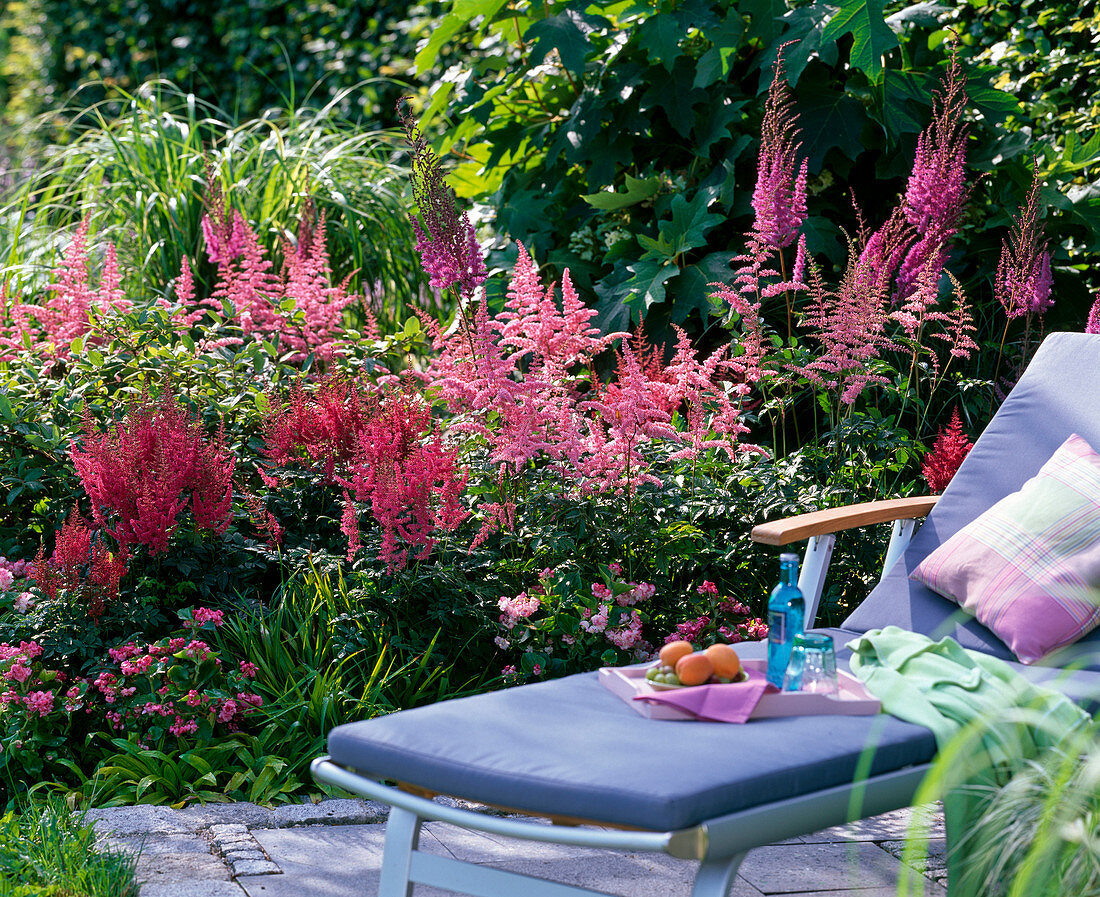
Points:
x=22 y=682
x=10 y=572
x=728 y=619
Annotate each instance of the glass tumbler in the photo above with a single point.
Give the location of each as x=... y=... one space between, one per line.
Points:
x=813 y=665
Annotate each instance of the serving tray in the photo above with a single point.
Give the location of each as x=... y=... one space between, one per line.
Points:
x=852 y=698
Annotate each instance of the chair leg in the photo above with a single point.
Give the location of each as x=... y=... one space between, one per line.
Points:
x=402 y=839
x=715 y=876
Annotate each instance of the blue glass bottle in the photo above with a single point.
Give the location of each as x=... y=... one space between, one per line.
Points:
x=786 y=615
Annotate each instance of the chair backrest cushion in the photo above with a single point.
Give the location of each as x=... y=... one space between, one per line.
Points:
x=1057 y=396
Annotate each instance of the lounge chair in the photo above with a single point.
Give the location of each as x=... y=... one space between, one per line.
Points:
x=572 y=751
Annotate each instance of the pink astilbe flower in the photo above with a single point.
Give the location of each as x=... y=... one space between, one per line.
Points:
x=257 y=293
x=779 y=198
x=938 y=191
x=948 y=451
x=850 y=325
x=1093 y=323
x=69 y=312
x=1023 y=283
x=446 y=241
x=958 y=324
x=141 y=472
x=222 y=229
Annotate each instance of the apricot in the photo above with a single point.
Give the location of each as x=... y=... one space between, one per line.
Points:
x=694 y=669
x=673 y=651
x=727 y=664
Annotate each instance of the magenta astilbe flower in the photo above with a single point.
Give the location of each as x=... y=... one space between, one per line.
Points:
x=1093 y=323
x=1024 y=282
x=779 y=198
x=446 y=241
x=948 y=451
x=140 y=473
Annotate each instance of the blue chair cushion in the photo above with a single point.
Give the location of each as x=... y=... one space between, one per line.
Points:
x=571 y=748
x=1052 y=400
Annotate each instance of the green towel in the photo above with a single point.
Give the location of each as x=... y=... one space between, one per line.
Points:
x=946 y=688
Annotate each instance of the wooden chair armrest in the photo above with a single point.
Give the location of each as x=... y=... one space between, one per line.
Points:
x=833 y=520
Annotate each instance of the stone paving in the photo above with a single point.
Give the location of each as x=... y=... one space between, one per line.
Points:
x=334 y=849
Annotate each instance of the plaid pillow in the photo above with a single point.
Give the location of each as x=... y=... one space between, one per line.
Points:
x=1029 y=567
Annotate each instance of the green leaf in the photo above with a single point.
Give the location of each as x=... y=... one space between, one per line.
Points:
x=95 y=358
x=636 y=191
x=5 y=408
x=647 y=287
x=660 y=37
x=463 y=12
x=763 y=21
x=567 y=32
x=714 y=65
x=872 y=38
x=77 y=345
x=690 y=223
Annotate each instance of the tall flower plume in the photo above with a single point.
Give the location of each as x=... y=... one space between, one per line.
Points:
x=1093 y=323
x=779 y=198
x=936 y=194
x=446 y=240
x=1023 y=283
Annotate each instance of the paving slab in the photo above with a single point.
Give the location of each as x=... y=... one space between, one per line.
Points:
x=243 y=813
x=139 y=820
x=350 y=811
x=931 y=861
x=897 y=825
x=192 y=889
x=808 y=868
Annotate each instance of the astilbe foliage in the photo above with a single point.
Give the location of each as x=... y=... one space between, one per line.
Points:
x=141 y=473
x=948 y=451
x=82 y=566
x=446 y=240
x=1023 y=283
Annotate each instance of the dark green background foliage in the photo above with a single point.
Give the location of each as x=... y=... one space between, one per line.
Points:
x=620 y=140
x=242 y=55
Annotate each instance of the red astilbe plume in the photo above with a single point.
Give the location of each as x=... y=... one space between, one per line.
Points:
x=446 y=241
x=322 y=427
x=948 y=451
x=1024 y=281
x=81 y=565
x=141 y=473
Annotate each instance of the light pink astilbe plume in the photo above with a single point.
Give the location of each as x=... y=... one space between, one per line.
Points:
x=1023 y=283
x=69 y=313
x=958 y=326
x=246 y=279
x=850 y=324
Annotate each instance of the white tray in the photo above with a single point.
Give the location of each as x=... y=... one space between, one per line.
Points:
x=852 y=700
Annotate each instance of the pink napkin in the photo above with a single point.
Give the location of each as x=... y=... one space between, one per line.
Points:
x=732 y=703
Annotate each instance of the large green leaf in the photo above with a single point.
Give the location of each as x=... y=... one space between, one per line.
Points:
x=647 y=286
x=637 y=190
x=714 y=65
x=567 y=32
x=872 y=38
x=463 y=12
